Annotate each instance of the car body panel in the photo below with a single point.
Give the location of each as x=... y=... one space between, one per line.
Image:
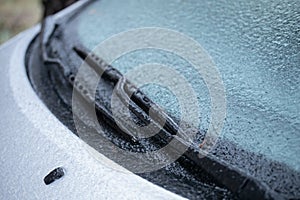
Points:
x=34 y=142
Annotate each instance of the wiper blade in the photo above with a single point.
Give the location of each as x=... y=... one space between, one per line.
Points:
x=137 y=96
x=243 y=185
x=140 y=102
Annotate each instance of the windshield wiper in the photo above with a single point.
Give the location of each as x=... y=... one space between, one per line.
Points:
x=243 y=185
x=137 y=96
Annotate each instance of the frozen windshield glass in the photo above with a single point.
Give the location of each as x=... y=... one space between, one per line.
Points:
x=255 y=46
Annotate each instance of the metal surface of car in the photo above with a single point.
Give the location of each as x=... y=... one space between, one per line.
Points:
x=34 y=142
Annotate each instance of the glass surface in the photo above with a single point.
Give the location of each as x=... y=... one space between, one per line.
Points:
x=255 y=46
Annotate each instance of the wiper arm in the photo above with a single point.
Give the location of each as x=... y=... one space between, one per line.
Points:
x=50 y=24
x=141 y=103
x=243 y=185
x=113 y=75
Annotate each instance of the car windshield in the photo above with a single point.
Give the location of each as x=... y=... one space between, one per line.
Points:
x=255 y=46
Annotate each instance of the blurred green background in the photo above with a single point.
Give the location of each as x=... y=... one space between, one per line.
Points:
x=17 y=15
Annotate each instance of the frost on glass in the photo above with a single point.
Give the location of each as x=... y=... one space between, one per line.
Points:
x=255 y=45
